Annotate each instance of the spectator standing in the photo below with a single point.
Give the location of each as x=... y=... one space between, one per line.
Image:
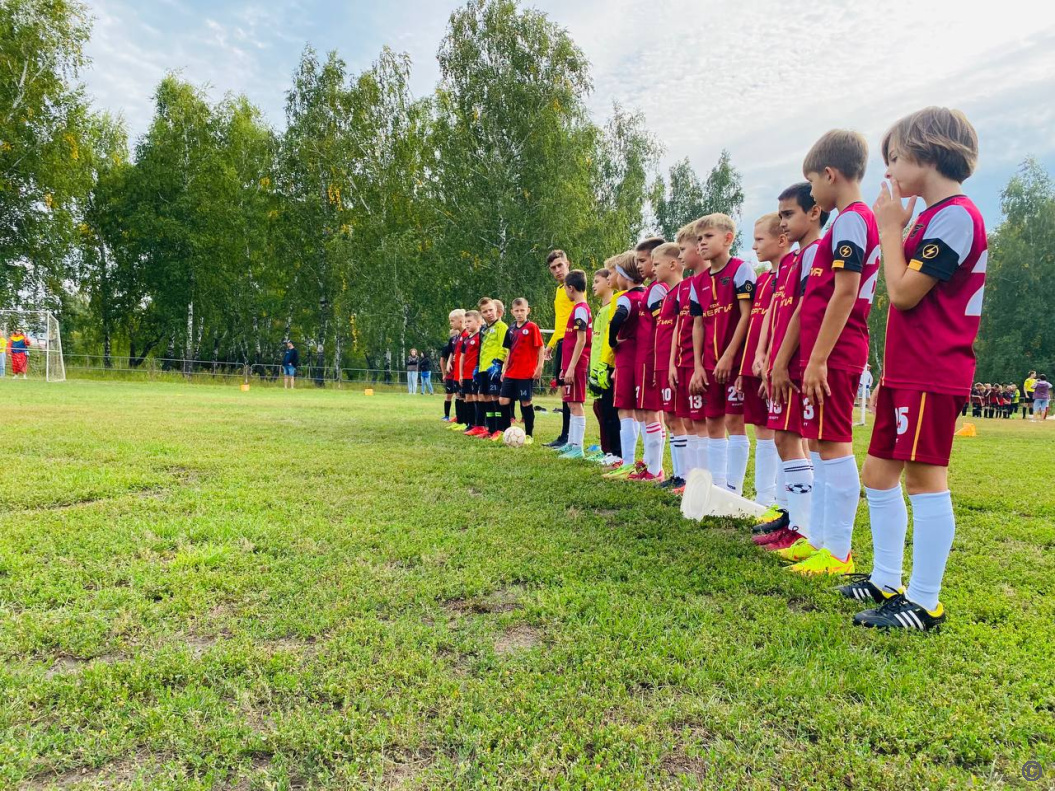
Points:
x=1041 y=398
x=20 y=344
x=412 y=372
x=3 y=353
x=425 y=373
x=290 y=361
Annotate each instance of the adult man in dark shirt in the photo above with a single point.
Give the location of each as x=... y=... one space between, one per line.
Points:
x=290 y=361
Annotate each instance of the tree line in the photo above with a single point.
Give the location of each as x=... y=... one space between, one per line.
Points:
x=358 y=225
x=354 y=229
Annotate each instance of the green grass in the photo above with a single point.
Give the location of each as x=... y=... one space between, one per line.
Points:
x=204 y=588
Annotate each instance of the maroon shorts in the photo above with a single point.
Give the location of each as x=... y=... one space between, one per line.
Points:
x=912 y=425
x=832 y=421
x=716 y=398
x=647 y=392
x=575 y=393
x=686 y=405
x=667 y=398
x=756 y=408
x=787 y=416
x=623 y=397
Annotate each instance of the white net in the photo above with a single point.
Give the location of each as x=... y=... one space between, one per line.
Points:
x=33 y=345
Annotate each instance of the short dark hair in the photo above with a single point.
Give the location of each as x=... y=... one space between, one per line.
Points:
x=602 y=273
x=554 y=255
x=802 y=193
x=650 y=244
x=576 y=279
x=1042 y=377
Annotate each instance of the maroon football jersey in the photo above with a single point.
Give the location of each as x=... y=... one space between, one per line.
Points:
x=791 y=280
x=578 y=319
x=683 y=326
x=733 y=282
x=850 y=245
x=626 y=350
x=668 y=317
x=647 y=312
x=933 y=343
x=764 y=287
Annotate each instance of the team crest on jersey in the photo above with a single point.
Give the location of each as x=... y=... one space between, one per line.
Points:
x=930 y=251
x=524 y=332
x=725 y=281
x=916 y=229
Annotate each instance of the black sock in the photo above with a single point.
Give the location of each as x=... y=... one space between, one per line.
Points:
x=528 y=411
x=463 y=418
x=446 y=408
x=505 y=420
x=492 y=424
x=565 y=420
x=480 y=419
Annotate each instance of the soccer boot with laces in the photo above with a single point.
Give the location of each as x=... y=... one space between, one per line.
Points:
x=823 y=562
x=571 y=452
x=783 y=539
x=645 y=476
x=897 y=612
x=556 y=444
x=861 y=588
x=625 y=471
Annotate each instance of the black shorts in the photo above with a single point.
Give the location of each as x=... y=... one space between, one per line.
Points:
x=468 y=387
x=450 y=386
x=481 y=381
x=491 y=385
x=518 y=389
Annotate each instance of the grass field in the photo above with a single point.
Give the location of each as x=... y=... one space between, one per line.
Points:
x=203 y=588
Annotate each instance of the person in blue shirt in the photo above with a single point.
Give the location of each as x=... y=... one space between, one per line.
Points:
x=290 y=361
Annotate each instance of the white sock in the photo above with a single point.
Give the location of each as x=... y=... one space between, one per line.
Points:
x=577 y=430
x=677 y=454
x=933 y=528
x=736 y=464
x=798 y=477
x=717 y=460
x=639 y=431
x=702 y=453
x=889 y=517
x=765 y=472
x=654 y=447
x=842 y=487
x=628 y=438
x=782 y=492
x=691 y=442
x=818 y=502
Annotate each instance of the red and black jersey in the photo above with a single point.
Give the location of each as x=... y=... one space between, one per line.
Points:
x=683 y=325
x=470 y=357
x=578 y=320
x=931 y=346
x=624 y=322
x=850 y=245
x=665 y=324
x=523 y=341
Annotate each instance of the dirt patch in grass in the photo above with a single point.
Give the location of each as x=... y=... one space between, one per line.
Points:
x=517 y=638
x=65 y=665
x=115 y=774
x=259 y=765
x=799 y=604
x=679 y=764
x=406 y=768
x=501 y=600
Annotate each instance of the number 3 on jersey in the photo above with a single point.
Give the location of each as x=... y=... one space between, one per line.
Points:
x=807 y=409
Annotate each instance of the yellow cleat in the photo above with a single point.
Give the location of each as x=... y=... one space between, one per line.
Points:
x=824 y=562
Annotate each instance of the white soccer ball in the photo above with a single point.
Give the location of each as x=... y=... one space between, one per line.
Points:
x=513 y=436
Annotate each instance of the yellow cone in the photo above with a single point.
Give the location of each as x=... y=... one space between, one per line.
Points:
x=968 y=430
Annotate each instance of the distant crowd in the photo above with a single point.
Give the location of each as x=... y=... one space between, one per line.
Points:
x=1004 y=401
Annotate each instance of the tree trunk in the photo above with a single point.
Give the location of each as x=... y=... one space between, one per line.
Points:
x=188 y=346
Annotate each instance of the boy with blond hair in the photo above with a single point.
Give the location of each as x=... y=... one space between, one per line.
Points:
x=688 y=406
x=771 y=246
x=492 y=354
x=721 y=308
x=833 y=333
x=448 y=360
x=668 y=270
x=468 y=365
x=935 y=279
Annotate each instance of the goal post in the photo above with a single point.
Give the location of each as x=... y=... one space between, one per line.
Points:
x=43 y=347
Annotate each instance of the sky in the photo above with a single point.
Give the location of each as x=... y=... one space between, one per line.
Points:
x=762 y=79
